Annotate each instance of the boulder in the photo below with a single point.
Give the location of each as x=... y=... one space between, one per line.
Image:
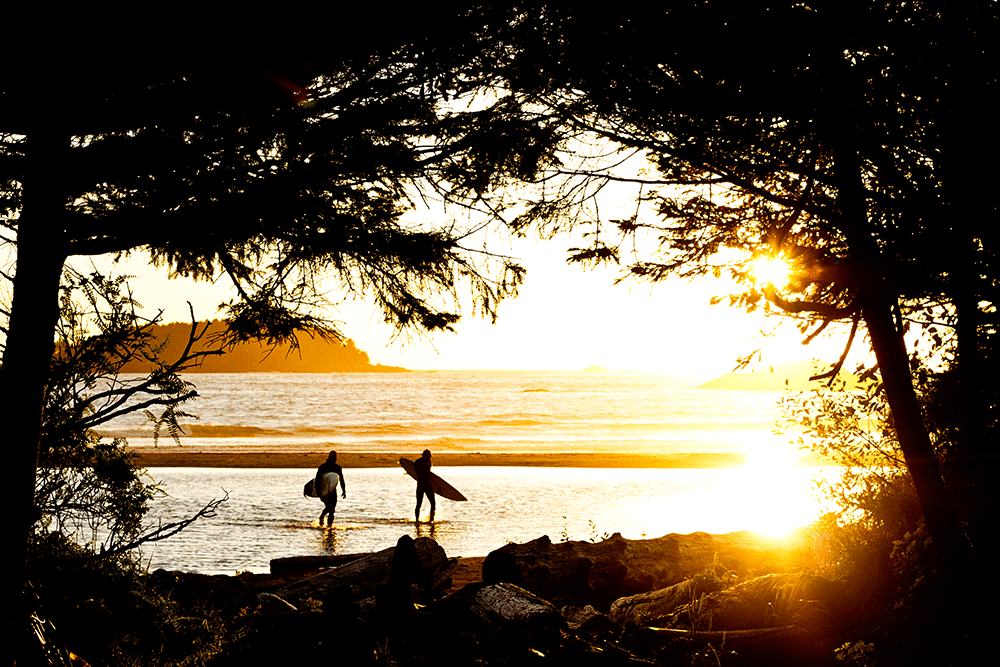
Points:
x=501 y=567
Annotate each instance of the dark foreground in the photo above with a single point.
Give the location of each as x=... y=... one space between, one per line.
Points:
x=676 y=600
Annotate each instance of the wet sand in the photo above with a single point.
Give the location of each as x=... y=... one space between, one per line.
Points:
x=188 y=457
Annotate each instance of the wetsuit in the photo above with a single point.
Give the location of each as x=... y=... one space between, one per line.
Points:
x=423 y=469
x=329 y=500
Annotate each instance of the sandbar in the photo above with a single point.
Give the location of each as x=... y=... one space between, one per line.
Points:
x=186 y=457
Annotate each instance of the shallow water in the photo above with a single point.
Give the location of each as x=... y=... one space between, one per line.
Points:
x=267 y=517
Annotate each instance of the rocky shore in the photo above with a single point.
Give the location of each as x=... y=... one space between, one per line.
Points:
x=676 y=599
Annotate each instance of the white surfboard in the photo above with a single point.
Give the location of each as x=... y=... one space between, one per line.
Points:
x=440 y=487
x=327 y=485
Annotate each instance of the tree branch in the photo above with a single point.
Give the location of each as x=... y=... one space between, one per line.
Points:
x=825 y=310
x=161 y=532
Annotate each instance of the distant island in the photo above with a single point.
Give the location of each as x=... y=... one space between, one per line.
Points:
x=315 y=355
x=794 y=376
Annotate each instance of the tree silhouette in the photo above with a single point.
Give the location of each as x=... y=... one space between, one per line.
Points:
x=835 y=146
x=276 y=163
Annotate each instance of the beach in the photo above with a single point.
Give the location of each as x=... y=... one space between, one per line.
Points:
x=567 y=454
x=536 y=419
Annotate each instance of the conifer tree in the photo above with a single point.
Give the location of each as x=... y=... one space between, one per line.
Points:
x=272 y=153
x=834 y=136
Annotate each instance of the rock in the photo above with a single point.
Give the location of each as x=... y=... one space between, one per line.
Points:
x=501 y=567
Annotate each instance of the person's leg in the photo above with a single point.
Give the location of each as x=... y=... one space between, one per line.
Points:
x=430 y=497
x=329 y=507
x=420 y=499
x=333 y=507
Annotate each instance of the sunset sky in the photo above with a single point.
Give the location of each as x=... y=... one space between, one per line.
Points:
x=564 y=319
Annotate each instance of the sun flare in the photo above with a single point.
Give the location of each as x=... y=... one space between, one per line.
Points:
x=771 y=486
x=771 y=270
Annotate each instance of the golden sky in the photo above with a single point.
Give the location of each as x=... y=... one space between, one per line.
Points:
x=564 y=319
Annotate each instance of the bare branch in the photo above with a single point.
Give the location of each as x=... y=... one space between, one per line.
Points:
x=833 y=372
x=162 y=532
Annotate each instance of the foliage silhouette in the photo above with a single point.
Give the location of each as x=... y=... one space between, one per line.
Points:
x=90 y=497
x=836 y=149
x=286 y=168
x=876 y=539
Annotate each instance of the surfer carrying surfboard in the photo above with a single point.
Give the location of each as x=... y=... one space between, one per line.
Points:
x=423 y=474
x=327 y=476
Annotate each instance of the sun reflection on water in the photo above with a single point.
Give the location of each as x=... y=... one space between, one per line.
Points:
x=772 y=495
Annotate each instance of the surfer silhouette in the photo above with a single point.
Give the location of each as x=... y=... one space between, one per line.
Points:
x=423 y=470
x=326 y=486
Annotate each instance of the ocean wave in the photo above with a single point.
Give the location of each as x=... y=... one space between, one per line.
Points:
x=465 y=411
x=486 y=430
x=197 y=431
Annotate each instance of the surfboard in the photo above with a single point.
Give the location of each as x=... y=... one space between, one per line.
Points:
x=328 y=485
x=440 y=487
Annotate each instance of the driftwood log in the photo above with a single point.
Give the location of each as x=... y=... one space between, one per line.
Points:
x=501 y=603
x=598 y=573
x=800 y=599
x=359 y=580
x=654 y=608
x=295 y=565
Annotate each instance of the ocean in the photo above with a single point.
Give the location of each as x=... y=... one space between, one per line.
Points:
x=267 y=517
x=469 y=411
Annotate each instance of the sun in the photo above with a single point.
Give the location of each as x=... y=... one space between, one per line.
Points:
x=771 y=270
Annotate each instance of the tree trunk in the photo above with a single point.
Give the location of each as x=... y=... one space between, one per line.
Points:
x=28 y=352
x=877 y=301
x=34 y=313
x=918 y=452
